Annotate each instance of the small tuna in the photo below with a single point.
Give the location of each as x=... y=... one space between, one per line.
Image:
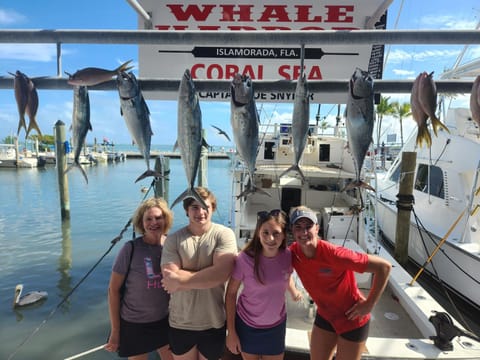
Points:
x=300 y=123
x=359 y=121
x=32 y=108
x=20 y=85
x=475 y=100
x=189 y=135
x=80 y=125
x=92 y=76
x=136 y=114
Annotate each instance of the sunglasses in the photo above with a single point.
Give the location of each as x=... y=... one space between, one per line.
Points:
x=262 y=215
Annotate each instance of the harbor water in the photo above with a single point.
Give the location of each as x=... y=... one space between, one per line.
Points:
x=44 y=253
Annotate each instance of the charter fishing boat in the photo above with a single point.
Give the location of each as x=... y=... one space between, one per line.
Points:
x=444 y=223
x=407 y=322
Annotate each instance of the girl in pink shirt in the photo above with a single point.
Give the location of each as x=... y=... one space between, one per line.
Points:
x=256 y=322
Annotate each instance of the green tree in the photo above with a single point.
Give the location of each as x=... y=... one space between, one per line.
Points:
x=401 y=111
x=383 y=108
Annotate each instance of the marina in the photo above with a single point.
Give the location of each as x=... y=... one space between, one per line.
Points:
x=70 y=257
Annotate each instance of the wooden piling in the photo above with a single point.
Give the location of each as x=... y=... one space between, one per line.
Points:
x=17 y=153
x=404 y=206
x=202 y=179
x=161 y=186
x=61 y=161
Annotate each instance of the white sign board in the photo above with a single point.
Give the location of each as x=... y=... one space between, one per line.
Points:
x=260 y=63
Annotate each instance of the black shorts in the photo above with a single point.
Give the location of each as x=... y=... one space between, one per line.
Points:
x=357 y=335
x=142 y=338
x=210 y=343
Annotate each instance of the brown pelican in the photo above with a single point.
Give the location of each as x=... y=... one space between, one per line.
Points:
x=29 y=298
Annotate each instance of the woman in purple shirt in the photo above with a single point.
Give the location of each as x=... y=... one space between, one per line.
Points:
x=256 y=322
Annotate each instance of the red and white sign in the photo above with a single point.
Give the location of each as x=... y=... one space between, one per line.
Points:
x=260 y=63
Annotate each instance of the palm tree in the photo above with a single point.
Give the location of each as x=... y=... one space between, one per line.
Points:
x=383 y=108
x=401 y=111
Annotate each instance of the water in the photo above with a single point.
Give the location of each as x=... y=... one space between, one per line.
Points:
x=44 y=254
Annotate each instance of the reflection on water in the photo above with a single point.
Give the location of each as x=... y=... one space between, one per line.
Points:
x=44 y=253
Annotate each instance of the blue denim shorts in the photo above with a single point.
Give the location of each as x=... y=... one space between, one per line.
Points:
x=268 y=341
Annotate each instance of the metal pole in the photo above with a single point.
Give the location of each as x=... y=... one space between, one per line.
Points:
x=61 y=161
x=203 y=167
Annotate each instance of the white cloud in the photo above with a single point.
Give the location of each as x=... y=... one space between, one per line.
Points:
x=10 y=17
x=456 y=22
x=28 y=52
x=404 y=73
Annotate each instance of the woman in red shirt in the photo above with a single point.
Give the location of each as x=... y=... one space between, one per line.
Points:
x=327 y=273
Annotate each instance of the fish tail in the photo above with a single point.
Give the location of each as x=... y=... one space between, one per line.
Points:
x=147 y=174
x=294 y=167
x=251 y=188
x=124 y=67
x=436 y=124
x=190 y=193
x=424 y=135
x=21 y=123
x=33 y=125
x=77 y=165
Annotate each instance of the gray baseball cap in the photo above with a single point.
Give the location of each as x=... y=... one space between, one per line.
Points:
x=298 y=214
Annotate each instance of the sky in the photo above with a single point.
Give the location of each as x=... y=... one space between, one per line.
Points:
x=403 y=62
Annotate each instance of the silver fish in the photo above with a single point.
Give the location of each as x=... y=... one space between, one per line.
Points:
x=420 y=117
x=189 y=135
x=80 y=125
x=300 y=124
x=20 y=85
x=136 y=114
x=475 y=100
x=427 y=97
x=244 y=121
x=32 y=108
x=92 y=76
x=359 y=121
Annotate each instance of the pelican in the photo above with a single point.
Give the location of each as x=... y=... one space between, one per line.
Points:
x=29 y=298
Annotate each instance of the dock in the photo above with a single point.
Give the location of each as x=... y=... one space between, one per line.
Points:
x=176 y=154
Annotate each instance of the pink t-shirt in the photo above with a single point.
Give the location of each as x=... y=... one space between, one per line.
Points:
x=263 y=305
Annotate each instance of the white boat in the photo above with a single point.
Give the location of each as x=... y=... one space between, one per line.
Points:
x=402 y=325
x=446 y=200
x=8 y=158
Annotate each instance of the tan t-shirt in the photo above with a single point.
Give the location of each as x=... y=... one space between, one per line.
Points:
x=198 y=309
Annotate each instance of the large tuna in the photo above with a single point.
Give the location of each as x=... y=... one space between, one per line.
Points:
x=189 y=135
x=359 y=121
x=136 y=114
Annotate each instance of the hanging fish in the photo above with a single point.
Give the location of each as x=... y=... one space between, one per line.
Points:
x=359 y=121
x=32 y=107
x=92 y=76
x=20 y=85
x=475 y=100
x=423 y=101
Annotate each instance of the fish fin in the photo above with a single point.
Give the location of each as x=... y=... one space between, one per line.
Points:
x=250 y=190
x=21 y=123
x=190 y=193
x=296 y=168
x=147 y=174
x=424 y=135
x=175 y=146
x=204 y=143
x=77 y=165
x=436 y=124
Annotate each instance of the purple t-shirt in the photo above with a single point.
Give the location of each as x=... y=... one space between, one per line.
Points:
x=145 y=300
x=263 y=305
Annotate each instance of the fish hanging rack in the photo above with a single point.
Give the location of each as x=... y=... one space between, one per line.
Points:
x=280 y=38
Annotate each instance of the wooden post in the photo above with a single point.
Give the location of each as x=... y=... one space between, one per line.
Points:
x=161 y=187
x=61 y=160
x=17 y=154
x=404 y=206
x=203 y=166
